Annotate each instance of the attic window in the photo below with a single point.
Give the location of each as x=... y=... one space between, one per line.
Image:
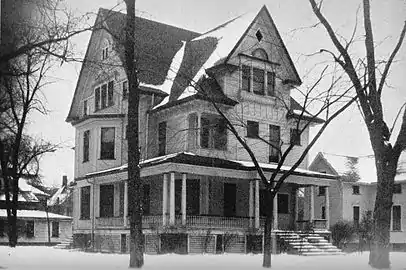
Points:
x=105 y=50
x=259 y=36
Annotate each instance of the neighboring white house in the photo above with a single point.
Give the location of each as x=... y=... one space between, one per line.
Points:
x=33 y=227
x=197 y=177
x=354 y=193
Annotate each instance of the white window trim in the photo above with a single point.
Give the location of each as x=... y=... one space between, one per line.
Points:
x=107 y=94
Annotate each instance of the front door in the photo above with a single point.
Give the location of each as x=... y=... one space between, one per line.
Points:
x=230 y=191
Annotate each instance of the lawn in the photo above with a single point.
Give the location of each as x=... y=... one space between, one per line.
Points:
x=50 y=258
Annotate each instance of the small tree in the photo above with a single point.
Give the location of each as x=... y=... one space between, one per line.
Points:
x=342 y=233
x=366 y=230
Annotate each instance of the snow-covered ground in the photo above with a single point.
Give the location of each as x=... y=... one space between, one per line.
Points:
x=50 y=258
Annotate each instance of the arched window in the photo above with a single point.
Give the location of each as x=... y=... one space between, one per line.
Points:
x=260 y=53
x=105 y=49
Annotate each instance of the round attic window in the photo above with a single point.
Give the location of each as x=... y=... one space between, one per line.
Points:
x=260 y=53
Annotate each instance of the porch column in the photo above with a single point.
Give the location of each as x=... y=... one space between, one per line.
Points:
x=172 y=199
x=275 y=212
x=164 y=199
x=125 y=210
x=311 y=203
x=184 y=175
x=256 y=204
x=327 y=209
x=251 y=203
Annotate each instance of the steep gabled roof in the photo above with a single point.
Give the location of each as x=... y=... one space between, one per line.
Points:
x=156 y=43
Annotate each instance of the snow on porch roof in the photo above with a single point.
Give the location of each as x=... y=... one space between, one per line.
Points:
x=34 y=214
x=192 y=159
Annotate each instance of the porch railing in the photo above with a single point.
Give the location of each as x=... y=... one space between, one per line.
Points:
x=306 y=225
x=217 y=222
x=109 y=222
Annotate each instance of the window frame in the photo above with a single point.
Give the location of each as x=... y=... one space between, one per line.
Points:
x=258 y=79
x=55 y=233
x=397 y=188
x=85 y=207
x=162 y=134
x=106 y=203
x=105 y=154
x=213 y=132
x=393 y=218
x=86 y=146
x=104 y=95
x=246 y=78
x=252 y=129
x=356 y=221
x=274 y=154
x=30 y=229
x=356 y=190
x=322 y=191
x=295 y=137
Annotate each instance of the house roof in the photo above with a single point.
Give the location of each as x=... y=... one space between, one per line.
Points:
x=60 y=196
x=34 y=214
x=364 y=166
x=156 y=43
x=28 y=193
x=193 y=159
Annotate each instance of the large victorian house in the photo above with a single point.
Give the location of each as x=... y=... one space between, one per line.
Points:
x=201 y=191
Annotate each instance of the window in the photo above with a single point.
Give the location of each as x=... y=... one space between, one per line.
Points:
x=355 y=190
x=107 y=143
x=246 y=78
x=270 y=82
x=106 y=200
x=2 y=227
x=322 y=191
x=85 y=202
x=162 y=138
x=323 y=212
x=85 y=107
x=86 y=145
x=252 y=129
x=355 y=214
x=29 y=228
x=125 y=89
x=283 y=203
x=396 y=218
x=193 y=131
x=146 y=199
x=213 y=132
x=104 y=96
x=295 y=137
x=274 y=140
x=55 y=229
x=105 y=50
x=397 y=188
x=258 y=81
x=121 y=190
x=259 y=36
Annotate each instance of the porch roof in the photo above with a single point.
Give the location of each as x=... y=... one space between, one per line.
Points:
x=212 y=162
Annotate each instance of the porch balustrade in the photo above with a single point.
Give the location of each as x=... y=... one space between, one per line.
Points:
x=217 y=222
x=306 y=225
x=109 y=222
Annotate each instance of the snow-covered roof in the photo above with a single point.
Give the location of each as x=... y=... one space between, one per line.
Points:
x=25 y=186
x=363 y=166
x=60 y=196
x=34 y=214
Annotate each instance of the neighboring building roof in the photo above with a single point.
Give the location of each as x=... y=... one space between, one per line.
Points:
x=28 y=193
x=363 y=168
x=193 y=159
x=60 y=196
x=34 y=214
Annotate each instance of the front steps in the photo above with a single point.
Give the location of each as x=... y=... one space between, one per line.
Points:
x=65 y=244
x=308 y=244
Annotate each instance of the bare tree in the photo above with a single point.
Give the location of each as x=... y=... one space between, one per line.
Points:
x=36 y=34
x=369 y=89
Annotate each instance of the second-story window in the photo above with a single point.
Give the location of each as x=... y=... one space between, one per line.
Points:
x=397 y=188
x=258 y=81
x=213 y=132
x=162 y=138
x=252 y=129
x=295 y=136
x=107 y=143
x=86 y=145
x=355 y=190
x=104 y=96
x=270 y=83
x=274 y=140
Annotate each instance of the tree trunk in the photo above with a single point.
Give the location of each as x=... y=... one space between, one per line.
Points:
x=134 y=178
x=12 y=230
x=266 y=263
x=380 y=246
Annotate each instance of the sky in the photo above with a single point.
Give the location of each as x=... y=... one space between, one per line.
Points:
x=347 y=135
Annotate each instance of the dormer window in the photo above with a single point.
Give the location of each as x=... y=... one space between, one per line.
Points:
x=257 y=80
x=104 y=96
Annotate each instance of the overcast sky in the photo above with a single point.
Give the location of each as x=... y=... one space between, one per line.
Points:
x=347 y=135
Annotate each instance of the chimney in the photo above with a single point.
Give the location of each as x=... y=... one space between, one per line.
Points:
x=64 y=180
